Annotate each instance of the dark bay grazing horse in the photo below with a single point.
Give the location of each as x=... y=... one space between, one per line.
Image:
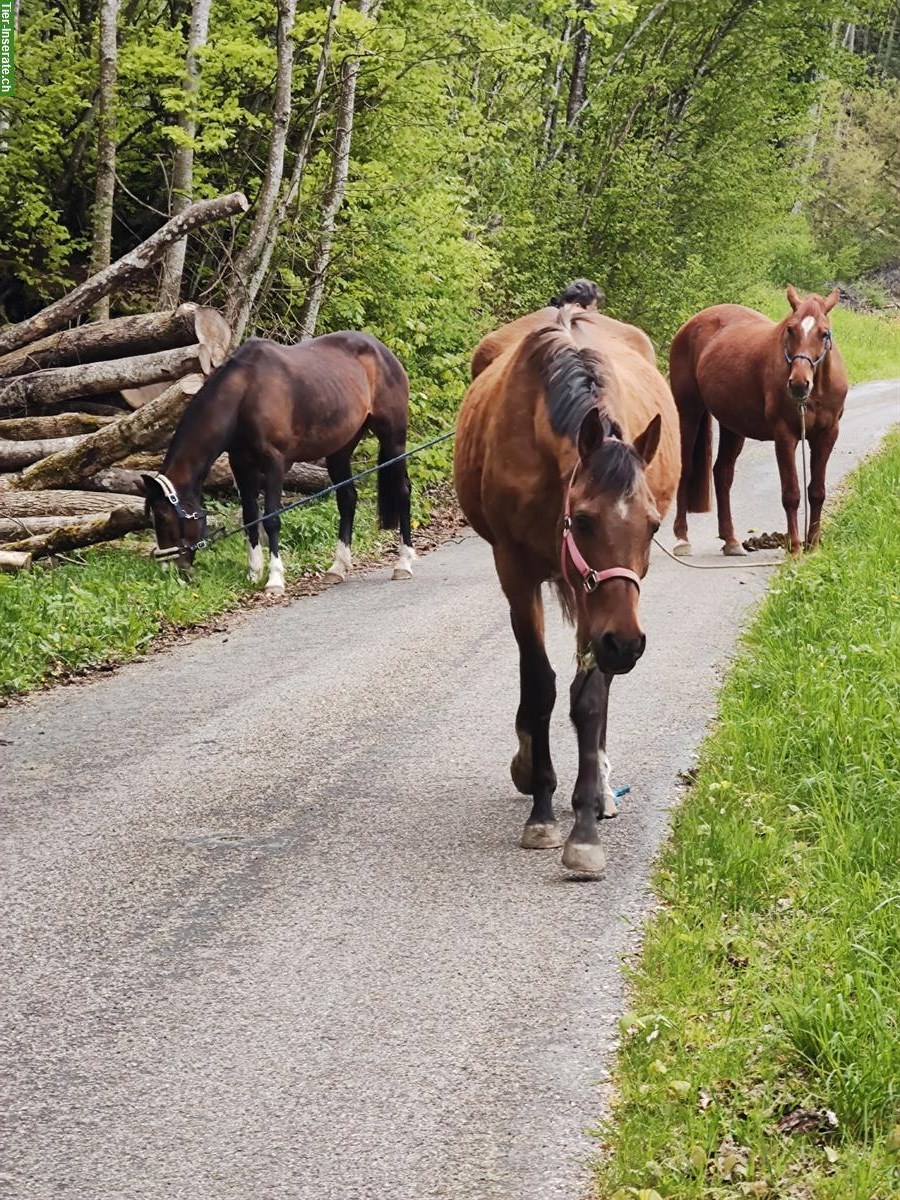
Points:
x=269 y=406
x=582 y=292
x=566 y=459
x=758 y=378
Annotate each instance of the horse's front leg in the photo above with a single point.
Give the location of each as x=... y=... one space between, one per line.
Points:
x=786 y=454
x=532 y=767
x=820 y=448
x=274 y=480
x=592 y=797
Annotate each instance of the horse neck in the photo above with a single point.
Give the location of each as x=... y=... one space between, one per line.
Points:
x=202 y=434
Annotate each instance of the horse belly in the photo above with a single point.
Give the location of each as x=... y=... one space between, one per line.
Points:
x=732 y=394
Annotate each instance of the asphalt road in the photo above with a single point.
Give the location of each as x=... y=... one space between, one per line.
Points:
x=268 y=930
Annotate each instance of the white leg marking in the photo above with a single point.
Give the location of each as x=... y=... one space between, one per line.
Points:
x=255 y=563
x=807 y=323
x=405 y=559
x=275 y=582
x=610 y=808
x=340 y=568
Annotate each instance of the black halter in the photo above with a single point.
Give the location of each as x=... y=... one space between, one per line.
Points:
x=790 y=359
x=170 y=552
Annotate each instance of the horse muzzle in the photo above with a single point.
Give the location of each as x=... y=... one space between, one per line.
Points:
x=617 y=655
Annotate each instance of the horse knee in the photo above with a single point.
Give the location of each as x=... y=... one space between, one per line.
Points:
x=790 y=498
x=817 y=496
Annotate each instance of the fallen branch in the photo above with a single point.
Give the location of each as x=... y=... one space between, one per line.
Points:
x=14 y=455
x=102 y=528
x=44 y=388
x=145 y=333
x=118 y=274
x=149 y=426
x=57 y=425
x=62 y=504
x=16 y=528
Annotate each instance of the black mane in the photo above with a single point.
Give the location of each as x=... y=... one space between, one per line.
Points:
x=580 y=291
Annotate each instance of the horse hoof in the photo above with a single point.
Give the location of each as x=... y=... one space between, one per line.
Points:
x=401 y=573
x=683 y=549
x=584 y=858
x=734 y=550
x=274 y=589
x=334 y=577
x=541 y=837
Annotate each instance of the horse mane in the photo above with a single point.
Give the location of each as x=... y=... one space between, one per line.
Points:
x=196 y=412
x=574 y=380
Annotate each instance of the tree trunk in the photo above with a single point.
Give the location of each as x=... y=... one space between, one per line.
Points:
x=578 y=78
x=237 y=309
x=14 y=529
x=102 y=528
x=242 y=315
x=125 y=477
x=150 y=426
x=142 y=334
x=62 y=503
x=551 y=113
x=14 y=455
x=119 y=273
x=106 y=149
x=45 y=388
x=334 y=193
x=14 y=560
x=62 y=425
x=183 y=164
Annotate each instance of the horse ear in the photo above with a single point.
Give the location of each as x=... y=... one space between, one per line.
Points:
x=590 y=435
x=793 y=298
x=152 y=490
x=647 y=443
x=832 y=300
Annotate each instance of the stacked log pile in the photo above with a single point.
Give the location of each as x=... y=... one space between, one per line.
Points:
x=85 y=408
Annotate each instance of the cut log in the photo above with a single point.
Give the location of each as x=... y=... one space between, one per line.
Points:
x=146 y=333
x=45 y=388
x=301 y=477
x=14 y=455
x=62 y=504
x=102 y=528
x=13 y=529
x=149 y=426
x=58 y=425
x=138 y=397
x=14 y=560
x=118 y=274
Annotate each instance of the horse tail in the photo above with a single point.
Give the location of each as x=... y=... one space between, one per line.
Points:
x=699 y=490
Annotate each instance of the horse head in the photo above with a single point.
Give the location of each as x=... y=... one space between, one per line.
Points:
x=610 y=520
x=807 y=339
x=178 y=522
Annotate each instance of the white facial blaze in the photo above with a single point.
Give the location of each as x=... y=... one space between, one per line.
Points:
x=622 y=508
x=807 y=323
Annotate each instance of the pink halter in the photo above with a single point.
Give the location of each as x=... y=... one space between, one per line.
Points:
x=590 y=578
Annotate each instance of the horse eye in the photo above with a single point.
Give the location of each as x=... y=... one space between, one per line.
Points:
x=654 y=528
x=583 y=523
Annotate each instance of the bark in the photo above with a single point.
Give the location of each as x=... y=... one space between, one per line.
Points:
x=62 y=503
x=14 y=560
x=61 y=425
x=119 y=273
x=14 y=455
x=334 y=193
x=105 y=188
x=45 y=388
x=125 y=477
x=150 y=426
x=14 y=529
x=551 y=114
x=183 y=163
x=578 y=78
x=142 y=334
x=242 y=316
x=102 y=528
x=247 y=260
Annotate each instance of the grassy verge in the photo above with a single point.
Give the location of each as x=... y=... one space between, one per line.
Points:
x=109 y=604
x=869 y=343
x=762 y=1057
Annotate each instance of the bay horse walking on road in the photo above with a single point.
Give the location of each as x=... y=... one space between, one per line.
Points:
x=269 y=406
x=758 y=378
x=566 y=459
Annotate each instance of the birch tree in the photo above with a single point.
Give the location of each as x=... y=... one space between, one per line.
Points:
x=105 y=186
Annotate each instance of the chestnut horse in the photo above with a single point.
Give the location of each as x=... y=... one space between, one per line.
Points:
x=759 y=379
x=269 y=406
x=566 y=459
x=582 y=292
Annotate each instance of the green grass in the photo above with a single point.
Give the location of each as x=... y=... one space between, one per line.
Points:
x=111 y=602
x=869 y=342
x=770 y=980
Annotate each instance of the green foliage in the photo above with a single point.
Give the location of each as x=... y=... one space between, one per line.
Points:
x=770 y=984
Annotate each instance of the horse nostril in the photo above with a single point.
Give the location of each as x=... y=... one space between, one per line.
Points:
x=621 y=650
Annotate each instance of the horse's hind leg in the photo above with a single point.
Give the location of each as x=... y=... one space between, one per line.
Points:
x=730 y=446
x=394 y=488
x=247 y=480
x=339 y=470
x=592 y=797
x=273 y=476
x=532 y=768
